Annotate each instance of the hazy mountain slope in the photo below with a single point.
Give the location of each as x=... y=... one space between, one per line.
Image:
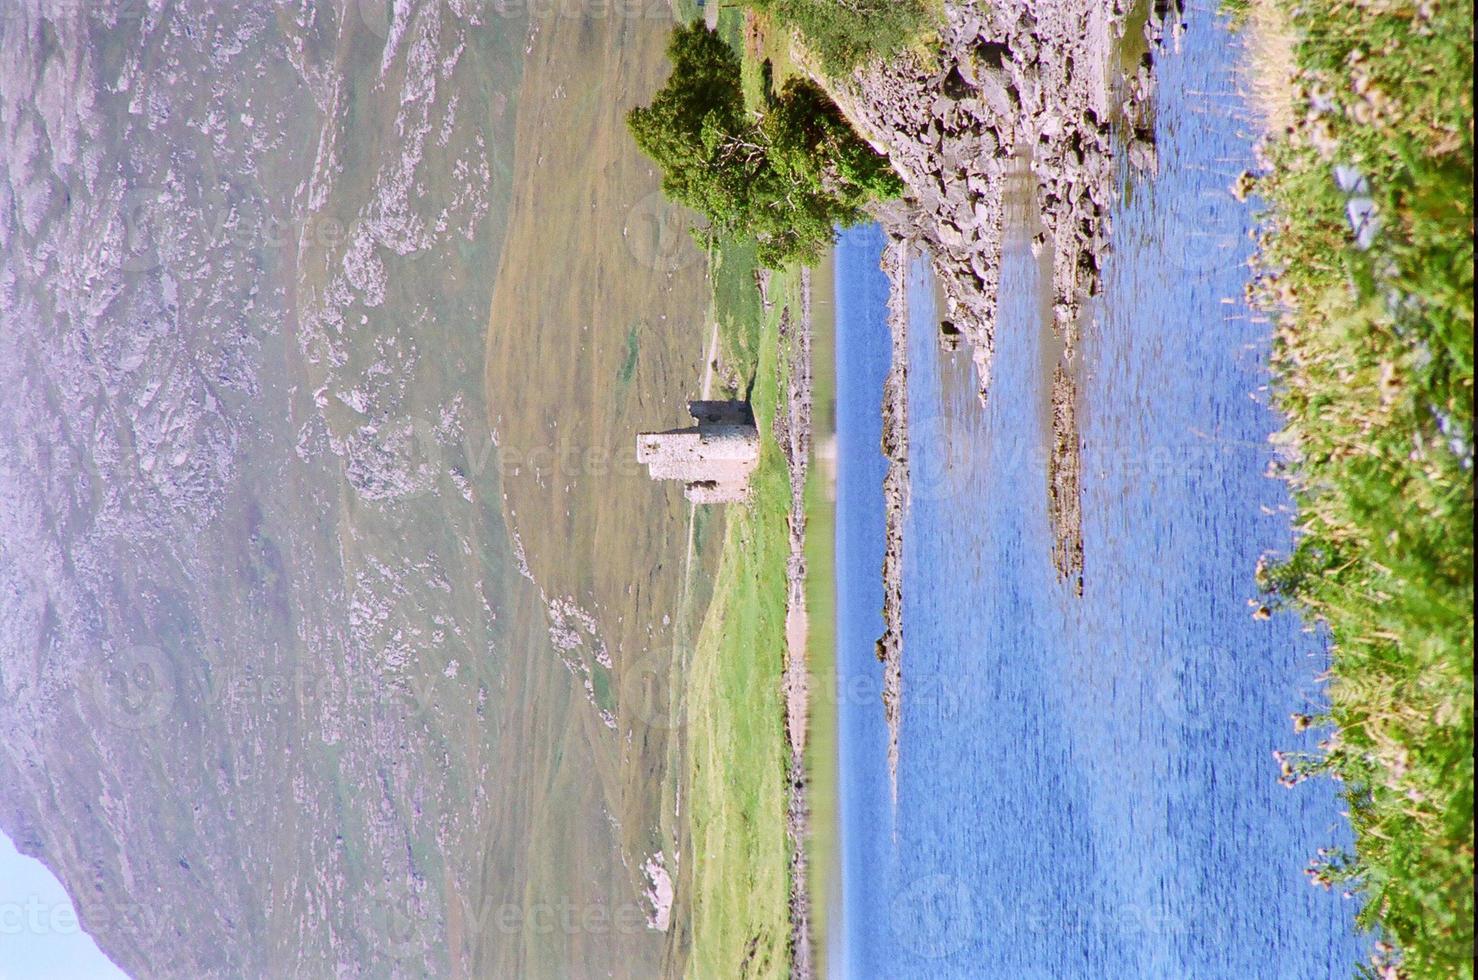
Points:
x=274 y=697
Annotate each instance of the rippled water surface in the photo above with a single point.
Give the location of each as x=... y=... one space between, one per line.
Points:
x=1087 y=787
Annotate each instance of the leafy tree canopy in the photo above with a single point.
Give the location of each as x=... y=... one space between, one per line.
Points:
x=784 y=176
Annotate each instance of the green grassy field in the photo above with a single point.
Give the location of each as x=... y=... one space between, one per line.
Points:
x=735 y=718
x=736 y=742
x=1369 y=105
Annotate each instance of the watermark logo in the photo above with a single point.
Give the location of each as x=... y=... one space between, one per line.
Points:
x=658 y=10
x=934 y=916
x=396 y=929
x=658 y=234
x=134 y=687
x=114 y=13
x=33 y=916
x=565 y=460
x=566 y=917
x=1172 y=679
x=143 y=228
x=377 y=15
x=1209 y=242
x=938 y=458
x=1085 y=919
x=648 y=695
x=395 y=459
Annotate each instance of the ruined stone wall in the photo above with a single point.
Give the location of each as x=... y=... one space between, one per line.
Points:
x=714 y=458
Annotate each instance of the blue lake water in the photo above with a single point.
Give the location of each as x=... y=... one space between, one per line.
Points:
x=1087 y=786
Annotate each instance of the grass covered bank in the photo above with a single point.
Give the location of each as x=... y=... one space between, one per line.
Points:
x=1366 y=266
x=843 y=35
x=739 y=759
x=735 y=719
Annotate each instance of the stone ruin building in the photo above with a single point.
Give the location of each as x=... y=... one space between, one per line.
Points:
x=713 y=458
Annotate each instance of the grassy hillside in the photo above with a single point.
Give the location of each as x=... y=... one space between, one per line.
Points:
x=1366 y=264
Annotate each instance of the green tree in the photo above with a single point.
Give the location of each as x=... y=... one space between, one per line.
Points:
x=783 y=176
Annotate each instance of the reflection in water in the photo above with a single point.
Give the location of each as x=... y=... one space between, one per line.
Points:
x=1086 y=785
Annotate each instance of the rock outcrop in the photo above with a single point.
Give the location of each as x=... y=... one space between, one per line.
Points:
x=895 y=499
x=792 y=429
x=1043 y=86
x=1016 y=99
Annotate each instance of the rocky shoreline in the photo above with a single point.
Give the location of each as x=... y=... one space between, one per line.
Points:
x=895 y=497
x=792 y=428
x=1067 y=88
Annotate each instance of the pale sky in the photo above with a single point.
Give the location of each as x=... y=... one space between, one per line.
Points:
x=39 y=935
